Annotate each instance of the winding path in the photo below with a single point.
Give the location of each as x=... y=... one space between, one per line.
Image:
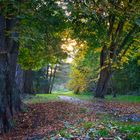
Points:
x=120 y=109
x=71 y=99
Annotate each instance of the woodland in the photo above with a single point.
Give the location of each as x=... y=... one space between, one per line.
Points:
x=69 y=69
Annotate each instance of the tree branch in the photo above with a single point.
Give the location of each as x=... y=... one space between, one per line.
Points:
x=111 y=22
x=127 y=37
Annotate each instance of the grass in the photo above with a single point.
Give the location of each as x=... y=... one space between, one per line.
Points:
x=125 y=98
x=84 y=96
x=105 y=127
x=89 y=96
x=41 y=98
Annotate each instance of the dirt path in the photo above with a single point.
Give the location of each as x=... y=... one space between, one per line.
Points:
x=120 y=110
x=71 y=99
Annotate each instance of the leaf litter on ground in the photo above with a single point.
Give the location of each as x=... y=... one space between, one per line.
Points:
x=66 y=120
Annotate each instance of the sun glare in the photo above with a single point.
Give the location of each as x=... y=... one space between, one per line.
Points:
x=68 y=47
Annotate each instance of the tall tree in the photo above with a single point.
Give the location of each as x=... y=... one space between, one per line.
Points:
x=37 y=34
x=41 y=38
x=9 y=96
x=110 y=25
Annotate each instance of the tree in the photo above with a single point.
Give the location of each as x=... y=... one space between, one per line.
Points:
x=110 y=25
x=84 y=68
x=34 y=26
x=9 y=96
x=28 y=82
x=50 y=76
x=127 y=79
x=41 y=38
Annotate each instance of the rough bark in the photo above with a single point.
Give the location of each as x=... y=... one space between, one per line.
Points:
x=19 y=78
x=9 y=96
x=5 y=95
x=104 y=75
x=102 y=84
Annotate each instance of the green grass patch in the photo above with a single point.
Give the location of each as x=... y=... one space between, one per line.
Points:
x=104 y=128
x=125 y=98
x=41 y=98
x=89 y=96
x=87 y=125
x=83 y=96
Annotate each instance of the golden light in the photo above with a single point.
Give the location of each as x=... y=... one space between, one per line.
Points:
x=68 y=47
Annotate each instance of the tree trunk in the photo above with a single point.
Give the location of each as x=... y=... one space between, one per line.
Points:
x=5 y=94
x=9 y=97
x=16 y=92
x=49 y=79
x=77 y=91
x=52 y=81
x=102 y=84
x=47 y=87
x=28 y=82
x=104 y=76
x=19 y=78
